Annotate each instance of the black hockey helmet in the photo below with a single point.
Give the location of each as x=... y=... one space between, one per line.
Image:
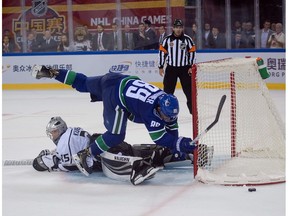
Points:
x=178 y=22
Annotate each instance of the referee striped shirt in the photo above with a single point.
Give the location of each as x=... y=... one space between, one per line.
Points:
x=178 y=51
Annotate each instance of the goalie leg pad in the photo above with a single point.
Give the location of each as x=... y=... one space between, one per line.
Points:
x=117 y=166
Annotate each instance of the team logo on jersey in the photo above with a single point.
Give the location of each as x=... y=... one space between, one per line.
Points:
x=171 y=44
x=182 y=46
x=154 y=124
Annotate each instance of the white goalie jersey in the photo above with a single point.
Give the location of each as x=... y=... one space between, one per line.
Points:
x=71 y=142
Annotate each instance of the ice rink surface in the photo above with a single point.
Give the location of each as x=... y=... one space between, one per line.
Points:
x=173 y=191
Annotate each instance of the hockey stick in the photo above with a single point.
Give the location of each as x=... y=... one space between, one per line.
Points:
x=220 y=106
x=82 y=168
x=24 y=162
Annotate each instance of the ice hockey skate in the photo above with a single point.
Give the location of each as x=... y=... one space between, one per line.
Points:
x=41 y=71
x=142 y=171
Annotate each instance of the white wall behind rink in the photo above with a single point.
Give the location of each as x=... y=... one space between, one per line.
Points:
x=16 y=69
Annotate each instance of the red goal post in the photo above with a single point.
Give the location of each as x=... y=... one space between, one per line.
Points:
x=247 y=145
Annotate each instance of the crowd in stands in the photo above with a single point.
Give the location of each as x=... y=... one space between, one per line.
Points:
x=146 y=37
x=243 y=36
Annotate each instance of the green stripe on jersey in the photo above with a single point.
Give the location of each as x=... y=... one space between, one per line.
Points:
x=101 y=144
x=156 y=135
x=122 y=86
x=119 y=113
x=70 y=77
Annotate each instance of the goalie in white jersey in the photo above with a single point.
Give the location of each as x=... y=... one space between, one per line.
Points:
x=68 y=141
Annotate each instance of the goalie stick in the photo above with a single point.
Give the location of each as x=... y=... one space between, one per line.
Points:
x=24 y=162
x=220 y=106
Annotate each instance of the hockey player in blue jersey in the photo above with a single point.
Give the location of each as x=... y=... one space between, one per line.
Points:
x=126 y=97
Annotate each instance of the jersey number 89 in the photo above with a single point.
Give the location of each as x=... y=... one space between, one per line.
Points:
x=140 y=90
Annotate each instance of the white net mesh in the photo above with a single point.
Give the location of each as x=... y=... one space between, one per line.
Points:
x=247 y=145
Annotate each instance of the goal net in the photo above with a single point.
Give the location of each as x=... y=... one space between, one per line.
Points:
x=247 y=145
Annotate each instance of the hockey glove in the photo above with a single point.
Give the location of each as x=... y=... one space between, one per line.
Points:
x=40 y=71
x=46 y=162
x=185 y=145
x=44 y=152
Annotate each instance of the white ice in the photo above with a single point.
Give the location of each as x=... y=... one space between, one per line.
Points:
x=173 y=191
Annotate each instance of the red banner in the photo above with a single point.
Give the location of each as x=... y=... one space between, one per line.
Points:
x=40 y=15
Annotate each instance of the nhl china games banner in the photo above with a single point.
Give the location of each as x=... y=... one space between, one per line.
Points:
x=53 y=15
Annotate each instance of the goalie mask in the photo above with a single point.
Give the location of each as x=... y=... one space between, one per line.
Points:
x=55 y=128
x=169 y=107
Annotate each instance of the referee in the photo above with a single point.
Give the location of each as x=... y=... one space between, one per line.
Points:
x=178 y=50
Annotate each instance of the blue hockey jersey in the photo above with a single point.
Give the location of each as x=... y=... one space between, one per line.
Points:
x=137 y=100
x=141 y=99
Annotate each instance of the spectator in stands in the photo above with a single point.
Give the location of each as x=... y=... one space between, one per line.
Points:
x=48 y=44
x=115 y=36
x=273 y=27
x=243 y=26
x=89 y=36
x=81 y=41
x=219 y=40
x=277 y=39
x=12 y=42
x=7 y=45
x=140 y=40
x=64 y=45
x=238 y=42
x=162 y=33
x=101 y=41
x=7 y=32
x=32 y=45
x=151 y=37
x=266 y=32
x=207 y=40
x=249 y=35
x=194 y=32
x=127 y=38
x=237 y=28
x=38 y=36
